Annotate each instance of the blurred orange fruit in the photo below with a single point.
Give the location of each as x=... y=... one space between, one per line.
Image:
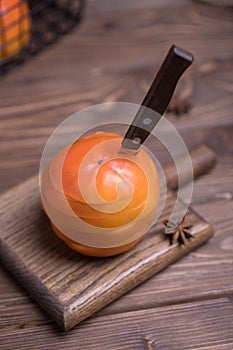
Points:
x=15 y=26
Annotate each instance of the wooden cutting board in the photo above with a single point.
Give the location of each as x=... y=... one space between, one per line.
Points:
x=71 y=287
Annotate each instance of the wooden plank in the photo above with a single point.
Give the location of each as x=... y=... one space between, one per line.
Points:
x=208 y=272
x=204 y=274
x=40 y=80
x=71 y=287
x=31 y=128
x=121 y=5
x=210 y=268
x=191 y=26
x=107 y=279
x=204 y=325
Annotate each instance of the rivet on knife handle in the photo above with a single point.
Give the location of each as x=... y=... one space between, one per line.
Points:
x=158 y=97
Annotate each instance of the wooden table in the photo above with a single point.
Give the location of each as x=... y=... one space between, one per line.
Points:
x=113 y=56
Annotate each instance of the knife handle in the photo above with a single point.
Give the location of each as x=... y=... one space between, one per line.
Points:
x=158 y=97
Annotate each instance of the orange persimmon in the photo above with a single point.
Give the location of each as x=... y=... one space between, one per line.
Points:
x=93 y=251
x=104 y=189
x=108 y=174
x=15 y=26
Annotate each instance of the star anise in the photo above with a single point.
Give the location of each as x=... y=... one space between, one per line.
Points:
x=177 y=232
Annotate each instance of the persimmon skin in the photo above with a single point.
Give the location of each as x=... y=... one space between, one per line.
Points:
x=92 y=251
x=70 y=187
x=15 y=26
x=108 y=174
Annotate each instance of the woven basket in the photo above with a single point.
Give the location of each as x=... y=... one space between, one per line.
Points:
x=27 y=27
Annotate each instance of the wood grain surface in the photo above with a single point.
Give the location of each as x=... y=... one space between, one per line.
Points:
x=71 y=287
x=190 y=326
x=113 y=56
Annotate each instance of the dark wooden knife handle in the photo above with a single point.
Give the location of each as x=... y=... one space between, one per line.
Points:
x=158 y=97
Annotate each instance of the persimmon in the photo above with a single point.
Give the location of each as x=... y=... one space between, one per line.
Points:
x=15 y=26
x=92 y=251
x=111 y=193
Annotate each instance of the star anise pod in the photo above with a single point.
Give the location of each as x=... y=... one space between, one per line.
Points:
x=177 y=232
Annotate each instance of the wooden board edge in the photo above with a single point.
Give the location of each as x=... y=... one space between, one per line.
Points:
x=30 y=283
x=201 y=232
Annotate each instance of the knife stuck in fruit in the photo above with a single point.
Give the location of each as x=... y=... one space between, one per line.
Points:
x=104 y=190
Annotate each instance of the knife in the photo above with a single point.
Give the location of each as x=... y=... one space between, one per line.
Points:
x=157 y=98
